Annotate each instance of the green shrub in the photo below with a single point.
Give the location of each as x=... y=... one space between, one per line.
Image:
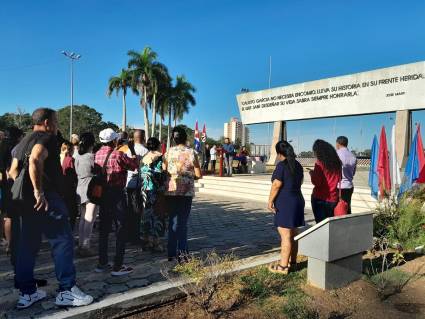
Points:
x=390 y=282
x=261 y=283
x=402 y=222
x=296 y=307
x=409 y=229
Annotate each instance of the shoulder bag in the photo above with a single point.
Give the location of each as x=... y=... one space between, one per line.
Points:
x=341 y=208
x=98 y=183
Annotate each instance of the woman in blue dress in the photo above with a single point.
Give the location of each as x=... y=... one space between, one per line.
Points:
x=287 y=203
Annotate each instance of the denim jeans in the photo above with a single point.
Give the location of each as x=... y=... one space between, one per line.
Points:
x=54 y=224
x=228 y=163
x=179 y=211
x=113 y=209
x=322 y=209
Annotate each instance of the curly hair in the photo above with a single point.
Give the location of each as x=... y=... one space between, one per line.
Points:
x=326 y=154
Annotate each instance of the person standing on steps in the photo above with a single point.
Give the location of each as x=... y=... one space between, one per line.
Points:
x=44 y=213
x=349 y=165
x=213 y=153
x=229 y=152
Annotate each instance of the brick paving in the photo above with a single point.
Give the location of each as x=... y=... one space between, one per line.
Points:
x=243 y=227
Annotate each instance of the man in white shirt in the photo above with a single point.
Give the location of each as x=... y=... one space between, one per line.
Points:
x=134 y=198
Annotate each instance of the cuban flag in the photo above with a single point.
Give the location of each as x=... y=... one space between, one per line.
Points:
x=196 y=141
x=415 y=166
x=373 y=169
x=204 y=134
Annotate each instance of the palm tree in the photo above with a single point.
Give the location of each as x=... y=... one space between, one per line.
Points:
x=180 y=100
x=140 y=64
x=117 y=83
x=160 y=81
x=163 y=103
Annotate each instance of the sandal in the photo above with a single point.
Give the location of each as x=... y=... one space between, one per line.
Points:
x=278 y=269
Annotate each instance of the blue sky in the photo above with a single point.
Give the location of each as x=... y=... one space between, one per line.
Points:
x=220 y=46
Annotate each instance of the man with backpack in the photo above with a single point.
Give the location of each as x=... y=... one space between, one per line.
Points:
x=37 y=192
x=113 y=206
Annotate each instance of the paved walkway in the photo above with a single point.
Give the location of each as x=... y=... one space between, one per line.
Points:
x=244 y=227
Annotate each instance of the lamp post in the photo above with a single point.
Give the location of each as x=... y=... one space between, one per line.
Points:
x=73 y=57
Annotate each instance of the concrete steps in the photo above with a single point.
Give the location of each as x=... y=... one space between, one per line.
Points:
x=257 y=189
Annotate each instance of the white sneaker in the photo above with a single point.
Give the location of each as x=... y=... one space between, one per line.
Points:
x=26 y=301
x=73 y=297
x=124 y=270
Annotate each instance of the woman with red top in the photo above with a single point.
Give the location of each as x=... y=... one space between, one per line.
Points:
x=325 y=177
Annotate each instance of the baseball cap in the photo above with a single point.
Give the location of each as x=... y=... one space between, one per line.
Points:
x=108 y=135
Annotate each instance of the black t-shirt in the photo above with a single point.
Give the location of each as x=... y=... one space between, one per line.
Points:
x=53 y=177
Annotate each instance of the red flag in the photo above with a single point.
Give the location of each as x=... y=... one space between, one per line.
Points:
x=421 y=158
x=384 y=179
x=204 y=134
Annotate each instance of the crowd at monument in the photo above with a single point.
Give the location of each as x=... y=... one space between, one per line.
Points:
x=47 y=182
x=135 y=188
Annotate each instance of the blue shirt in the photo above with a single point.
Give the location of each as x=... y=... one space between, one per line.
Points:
x=229 y=149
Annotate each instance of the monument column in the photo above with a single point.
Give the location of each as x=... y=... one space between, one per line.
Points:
x=403 y=132
x=279 y=133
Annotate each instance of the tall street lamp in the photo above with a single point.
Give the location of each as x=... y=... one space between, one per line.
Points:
x=73 y=57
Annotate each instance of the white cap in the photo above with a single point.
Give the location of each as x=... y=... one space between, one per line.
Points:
x=108 y=135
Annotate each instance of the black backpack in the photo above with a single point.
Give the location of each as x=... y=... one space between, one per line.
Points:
x=98 y=184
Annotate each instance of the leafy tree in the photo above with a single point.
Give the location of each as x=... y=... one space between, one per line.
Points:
x=85 y=119
x=160 y=82
x=367 y=152
x=180 y=96
x=118 y=83
x=20 y=119
x=140 y=65
x=184 y=98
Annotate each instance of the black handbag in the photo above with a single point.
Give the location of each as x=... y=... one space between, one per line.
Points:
x=98 y=184
x=20 y=187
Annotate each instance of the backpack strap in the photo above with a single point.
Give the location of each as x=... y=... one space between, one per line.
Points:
x=104 y=167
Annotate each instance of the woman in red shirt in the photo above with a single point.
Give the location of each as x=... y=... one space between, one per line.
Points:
x=325 y=177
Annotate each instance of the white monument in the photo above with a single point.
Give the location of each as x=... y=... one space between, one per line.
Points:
x=399 y=88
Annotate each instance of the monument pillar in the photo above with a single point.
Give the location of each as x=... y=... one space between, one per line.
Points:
x=403 y=133
x=279 y=133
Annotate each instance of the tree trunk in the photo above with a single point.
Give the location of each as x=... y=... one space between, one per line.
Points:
x=169 y=128
x=145 y=113
x=160 y=128
x=124 y=113
x=154 y=115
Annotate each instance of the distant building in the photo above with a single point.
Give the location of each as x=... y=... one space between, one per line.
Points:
x=235 y=130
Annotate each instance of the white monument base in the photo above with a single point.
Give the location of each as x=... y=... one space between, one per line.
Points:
x=335 y=274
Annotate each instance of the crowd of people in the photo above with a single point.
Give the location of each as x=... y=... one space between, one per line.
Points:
x=51 y=186
x=131 y=186
x=332 y=178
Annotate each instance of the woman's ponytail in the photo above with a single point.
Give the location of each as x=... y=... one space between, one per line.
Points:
x=286 y=149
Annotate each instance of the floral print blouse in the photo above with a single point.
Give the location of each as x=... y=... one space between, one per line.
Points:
x=181 y=168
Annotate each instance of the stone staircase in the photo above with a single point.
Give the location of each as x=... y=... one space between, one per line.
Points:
x=257 y=189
